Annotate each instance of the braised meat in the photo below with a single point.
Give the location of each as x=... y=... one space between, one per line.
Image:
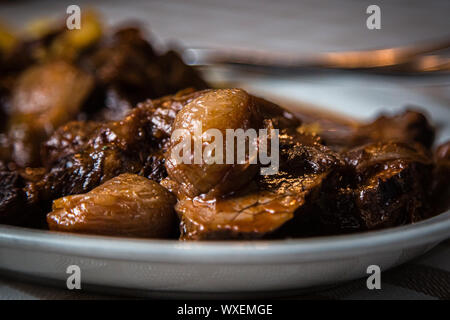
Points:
x=210 y=117
x=317 y=191
x=64 y=75
x=67 y=140
x=441 y=179
x=128 y=71
x=155 y=117
x=15 y=207
x=127 y=205
x=163 y=112
x=409 y=127
x=388 y=187
x=81 y=155
x=94 y=139
x=12 y=198
x=271 y=204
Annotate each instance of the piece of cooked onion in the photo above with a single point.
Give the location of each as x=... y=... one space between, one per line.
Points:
x=127 y=205
x=219 y=110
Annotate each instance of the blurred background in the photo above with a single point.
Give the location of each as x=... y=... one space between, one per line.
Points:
x=286 y=30
x=301 y=26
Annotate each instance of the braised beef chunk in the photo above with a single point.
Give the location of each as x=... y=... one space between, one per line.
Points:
x=81 y=155
x=15 y=206
x=150 y=123
x=116 y=170
x=388 y=187
x=127 y=205
x=153 y=118
x=64 y=75
x=67 y=140
x=441 y=179
x=409 y=127
x=220 y=110
x=12 y=198
x=129 y=71
x=163 y=112
x=80 y=163
x=279 y=117
x=271 y=204
x=177 y=74
x=153 y=167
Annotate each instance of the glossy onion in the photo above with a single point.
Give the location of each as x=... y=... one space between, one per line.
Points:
x=127 y=205
x=219 y=110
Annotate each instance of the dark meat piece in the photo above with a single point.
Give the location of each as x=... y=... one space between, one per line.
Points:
x=127 y=205
x=177 y=74
x=12 y=198
x=280 y=118
x=129 y=71
x=44 y=98
x=14 y=206
x=82 y=155
x=155 y=117
x=67 y=140
x=163 y=112
x=389 y=188
x=409 y=127
x=271 y=204
x=441 y=183
x=78 y=163
x=153 y=167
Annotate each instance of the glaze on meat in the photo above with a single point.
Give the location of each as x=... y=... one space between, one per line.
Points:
x=86 y=146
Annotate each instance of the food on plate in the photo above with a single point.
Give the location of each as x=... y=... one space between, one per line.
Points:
x=388 y=185
x=269 y=205
x=217 y=110
x=44 y=97
x=62 y=75
x=81 y=155
x=410 y=126
x=441 y=186
x=319 y=189
x=127 y=205
x=103 y=134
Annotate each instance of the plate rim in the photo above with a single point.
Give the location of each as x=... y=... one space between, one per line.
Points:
x=428 y=231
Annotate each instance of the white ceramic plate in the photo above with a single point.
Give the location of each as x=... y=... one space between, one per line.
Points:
x=163 y=267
